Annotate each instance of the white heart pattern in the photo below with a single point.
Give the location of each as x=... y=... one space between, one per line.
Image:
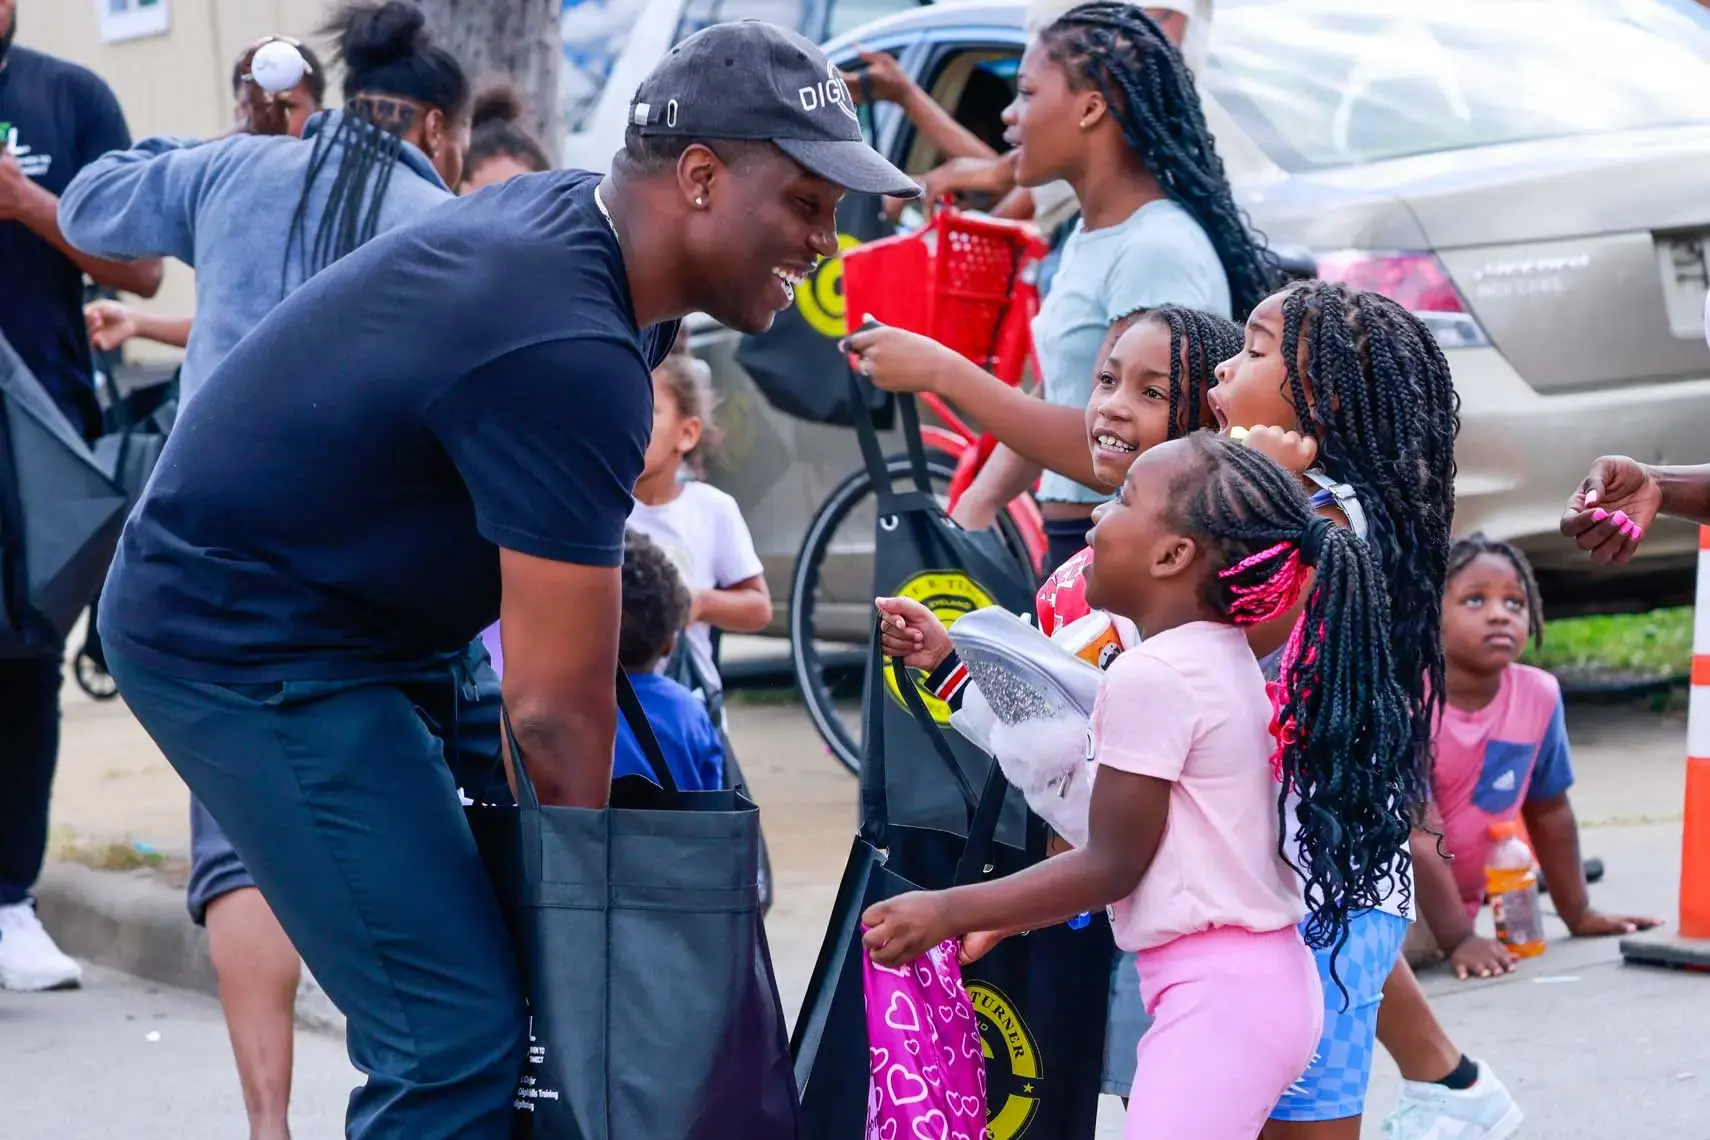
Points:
x=917 y=1090
x=902 y=1000
x=949 y=1055
x=970 y=1045
x=888 y=1130
x=878 y=1058
x=947 y=1013
x=932 y=1126
x=912 y=1046
x=965 y=1105
x=930 y=1072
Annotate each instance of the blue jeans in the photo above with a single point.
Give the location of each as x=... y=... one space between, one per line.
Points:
x=341 y=800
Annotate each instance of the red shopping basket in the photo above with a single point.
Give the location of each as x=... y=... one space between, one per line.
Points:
x=967 y=281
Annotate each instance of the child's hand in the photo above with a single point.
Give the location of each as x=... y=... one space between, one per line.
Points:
x=904 y=928
x=909 y=630
x=1481 y=957
x=1291 y=450
x=978 y=944
x=1596 y=924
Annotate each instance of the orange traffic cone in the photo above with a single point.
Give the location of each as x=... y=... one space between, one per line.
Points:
x=1689 y=946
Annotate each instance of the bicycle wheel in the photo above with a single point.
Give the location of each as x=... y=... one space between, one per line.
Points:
x=831 y=601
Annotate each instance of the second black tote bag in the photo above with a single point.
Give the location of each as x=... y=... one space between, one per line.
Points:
x=655 y=1013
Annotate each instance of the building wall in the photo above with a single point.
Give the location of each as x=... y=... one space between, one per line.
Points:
x=178 y=82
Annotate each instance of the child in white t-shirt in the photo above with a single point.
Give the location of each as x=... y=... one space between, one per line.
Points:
x=696 y=524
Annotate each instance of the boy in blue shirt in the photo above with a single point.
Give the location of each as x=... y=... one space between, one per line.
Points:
x=655 y=612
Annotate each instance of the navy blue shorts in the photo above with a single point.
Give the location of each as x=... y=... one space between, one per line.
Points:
x=215 y=868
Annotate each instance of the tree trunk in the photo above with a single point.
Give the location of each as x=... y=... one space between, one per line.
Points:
x=515 y=39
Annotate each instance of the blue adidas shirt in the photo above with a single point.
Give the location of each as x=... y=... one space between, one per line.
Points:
x=56 y=118
x=331 y=504
x=690 y=744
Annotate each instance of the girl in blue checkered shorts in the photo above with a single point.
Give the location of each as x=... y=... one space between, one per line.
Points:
x=1363 y=403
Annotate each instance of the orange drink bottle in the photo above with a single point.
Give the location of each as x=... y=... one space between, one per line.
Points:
x=1511 y=884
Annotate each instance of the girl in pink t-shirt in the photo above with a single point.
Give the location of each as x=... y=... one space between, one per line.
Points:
x=1185 y=839
x=1501 y=752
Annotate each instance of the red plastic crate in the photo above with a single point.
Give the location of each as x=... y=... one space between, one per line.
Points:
x=968 y=282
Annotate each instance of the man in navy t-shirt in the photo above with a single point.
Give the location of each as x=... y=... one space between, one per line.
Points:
x=55 y=118
x=441 y=429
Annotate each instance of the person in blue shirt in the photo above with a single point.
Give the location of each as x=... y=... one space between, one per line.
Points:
x=440 y=429
x=55 y=119
x=655 y=612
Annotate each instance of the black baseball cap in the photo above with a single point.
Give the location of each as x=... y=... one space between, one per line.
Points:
x=748 y=79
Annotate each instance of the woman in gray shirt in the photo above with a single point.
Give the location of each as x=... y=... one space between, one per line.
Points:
x=1106 y=104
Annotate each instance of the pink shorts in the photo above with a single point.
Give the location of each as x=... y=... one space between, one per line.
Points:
x=1236 y=1018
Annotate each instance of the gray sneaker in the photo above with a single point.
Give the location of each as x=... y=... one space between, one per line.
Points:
x=1434 y=1112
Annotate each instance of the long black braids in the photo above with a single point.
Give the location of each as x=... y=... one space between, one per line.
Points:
x=395 y=76
x=1478 y=544
x=1344 y=718
x=366 y=152
x=1377 y=393
x=1119 y=51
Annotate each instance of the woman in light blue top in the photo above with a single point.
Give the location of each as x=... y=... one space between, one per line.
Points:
x=1106 y=104
x=256 y=214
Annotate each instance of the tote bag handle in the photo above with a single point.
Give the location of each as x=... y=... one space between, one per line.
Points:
x=985 y=810
x=633 y=714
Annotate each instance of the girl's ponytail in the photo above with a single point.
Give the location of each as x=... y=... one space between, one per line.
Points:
x=1343 y=721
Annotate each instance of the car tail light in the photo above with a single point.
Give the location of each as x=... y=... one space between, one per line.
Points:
x=1414 y=280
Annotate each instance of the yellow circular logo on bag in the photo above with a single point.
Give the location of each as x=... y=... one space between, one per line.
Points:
x=820 y=297
x=948 y=594
x=1013 y=1085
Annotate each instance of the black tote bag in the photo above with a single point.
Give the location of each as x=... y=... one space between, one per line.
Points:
x=918 y=552
x=1040 y=999
x=654 y=1010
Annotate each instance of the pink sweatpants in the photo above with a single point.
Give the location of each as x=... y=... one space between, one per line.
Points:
x=1237 y=1016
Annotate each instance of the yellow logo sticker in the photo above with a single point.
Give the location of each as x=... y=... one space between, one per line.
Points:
x=948 y=594
x=820 y=297
x=1013 y=1084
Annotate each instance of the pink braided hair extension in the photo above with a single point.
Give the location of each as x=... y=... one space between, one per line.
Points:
x=1273 y=597
x=1285 y=732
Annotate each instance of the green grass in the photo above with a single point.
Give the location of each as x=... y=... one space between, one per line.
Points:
x=1619 y=647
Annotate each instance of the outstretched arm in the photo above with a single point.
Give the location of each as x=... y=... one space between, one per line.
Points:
x=21 y=200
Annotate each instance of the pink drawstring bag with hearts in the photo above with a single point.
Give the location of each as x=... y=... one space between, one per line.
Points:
x=928 y=1072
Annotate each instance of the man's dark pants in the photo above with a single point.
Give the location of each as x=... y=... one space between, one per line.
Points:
x=29 y=734
x=340 y=797
x=29 y=748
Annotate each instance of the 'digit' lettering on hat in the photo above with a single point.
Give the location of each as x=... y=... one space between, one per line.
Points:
x=747 y=79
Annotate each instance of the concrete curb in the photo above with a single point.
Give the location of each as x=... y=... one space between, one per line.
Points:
x=132 y=922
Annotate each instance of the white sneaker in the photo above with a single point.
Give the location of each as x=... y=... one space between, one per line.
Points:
x=29 y=961
x=1434 y=1112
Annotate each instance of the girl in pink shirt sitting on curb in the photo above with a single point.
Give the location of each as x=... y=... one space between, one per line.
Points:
x=1501 y=752
x=1188 y=821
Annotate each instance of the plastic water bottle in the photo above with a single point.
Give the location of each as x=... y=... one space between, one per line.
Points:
x=1511 y=884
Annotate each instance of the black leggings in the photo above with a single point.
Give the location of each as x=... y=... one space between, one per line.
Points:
x=1064 y=538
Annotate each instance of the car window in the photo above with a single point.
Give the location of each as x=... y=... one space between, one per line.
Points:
x=974 y=85
x=1323 y=83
